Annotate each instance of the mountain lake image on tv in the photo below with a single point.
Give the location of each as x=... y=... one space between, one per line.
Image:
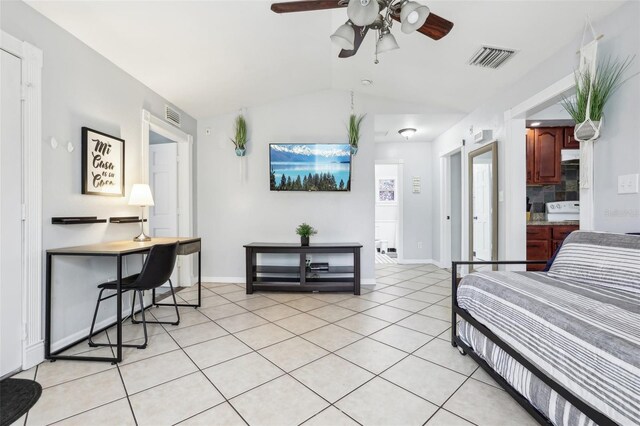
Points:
x=310 y=167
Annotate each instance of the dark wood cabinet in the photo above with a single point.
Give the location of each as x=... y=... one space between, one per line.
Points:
x=544 y=145
x=530 y=156
x=546 y=157
x=544 y=240
x=570 y=141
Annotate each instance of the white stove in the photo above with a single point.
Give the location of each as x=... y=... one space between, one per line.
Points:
x=561 y=211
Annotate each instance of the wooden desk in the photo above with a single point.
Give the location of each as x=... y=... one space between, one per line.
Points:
x=300 y=277
x=117 y=249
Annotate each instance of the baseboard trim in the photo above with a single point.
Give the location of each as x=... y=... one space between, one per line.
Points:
x=33 y=355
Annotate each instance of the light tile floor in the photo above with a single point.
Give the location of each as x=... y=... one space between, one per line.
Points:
x=286 y=359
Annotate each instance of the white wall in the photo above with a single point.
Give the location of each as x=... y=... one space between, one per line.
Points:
x=617 y=152
x=417 y=208
x=235 y=204
x=82 y=88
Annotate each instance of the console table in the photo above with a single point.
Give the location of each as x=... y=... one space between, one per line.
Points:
x=301 y=277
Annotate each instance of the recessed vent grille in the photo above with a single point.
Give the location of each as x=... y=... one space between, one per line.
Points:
x=491 y=57
x=171 y=115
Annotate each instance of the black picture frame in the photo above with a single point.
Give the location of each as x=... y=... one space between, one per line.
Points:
x=107 y=164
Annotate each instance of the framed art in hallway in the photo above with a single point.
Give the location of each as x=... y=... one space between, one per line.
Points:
x=102 y=164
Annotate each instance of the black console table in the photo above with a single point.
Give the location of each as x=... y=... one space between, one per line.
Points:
x=301 y=277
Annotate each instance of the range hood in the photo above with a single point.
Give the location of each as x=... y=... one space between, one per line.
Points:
x=570 y=156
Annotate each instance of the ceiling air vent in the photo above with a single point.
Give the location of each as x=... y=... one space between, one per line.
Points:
x=491 y=57
x=171 y=115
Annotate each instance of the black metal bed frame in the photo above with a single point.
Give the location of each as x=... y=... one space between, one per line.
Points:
x=456 y=341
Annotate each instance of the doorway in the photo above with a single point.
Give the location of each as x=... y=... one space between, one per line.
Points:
x=11 y=225
x=452 y=175
x=166 y=164
x=388 y=212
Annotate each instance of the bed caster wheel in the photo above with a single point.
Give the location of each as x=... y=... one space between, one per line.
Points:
x=462 y=352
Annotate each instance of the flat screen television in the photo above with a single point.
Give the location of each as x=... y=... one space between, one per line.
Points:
x=310 y=167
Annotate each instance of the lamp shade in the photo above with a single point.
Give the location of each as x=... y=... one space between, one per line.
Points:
x=363 y=12
x=141 y=195
x=344 y=37
x=412 y=16
x=386 y=43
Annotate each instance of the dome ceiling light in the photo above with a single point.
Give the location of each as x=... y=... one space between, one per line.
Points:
x=376 y=15
x=407 y=132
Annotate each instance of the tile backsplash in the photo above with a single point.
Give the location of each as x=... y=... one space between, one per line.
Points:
x=567 y=190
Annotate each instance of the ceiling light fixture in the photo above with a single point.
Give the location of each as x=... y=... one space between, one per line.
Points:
x=379 y=15
x=535 y=124
x=366 y=82
x=407 y=132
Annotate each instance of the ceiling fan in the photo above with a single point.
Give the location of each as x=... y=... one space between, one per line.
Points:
x=377 y=15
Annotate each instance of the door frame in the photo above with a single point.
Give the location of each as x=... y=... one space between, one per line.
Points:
x=400 y=186
x=516 y=161
x=32 y=259
x=445 y=206
x=185 y=181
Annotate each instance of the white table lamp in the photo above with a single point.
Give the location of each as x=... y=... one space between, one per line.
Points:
x=141 y=196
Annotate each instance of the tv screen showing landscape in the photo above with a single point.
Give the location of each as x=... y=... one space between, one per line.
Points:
x=310 y=167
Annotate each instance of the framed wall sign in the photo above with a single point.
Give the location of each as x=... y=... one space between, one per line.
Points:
x=102 y=164
x=386 y=191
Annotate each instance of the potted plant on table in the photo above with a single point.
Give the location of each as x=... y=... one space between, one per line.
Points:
x=354 y=131
x=305 y=231
x=240 y=140
x=593 y=90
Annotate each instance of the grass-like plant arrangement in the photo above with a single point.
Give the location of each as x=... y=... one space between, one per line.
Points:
x=305 y=231
x=354 y=131
x=240 y=139
x=607 y=79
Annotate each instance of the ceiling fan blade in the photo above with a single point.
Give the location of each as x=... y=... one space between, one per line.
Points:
x=306 y=6
x=435 y=26
x=356 y=42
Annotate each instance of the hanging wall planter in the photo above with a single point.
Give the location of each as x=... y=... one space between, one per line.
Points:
x=594 y=87
x=354 y=131
x=240 y=139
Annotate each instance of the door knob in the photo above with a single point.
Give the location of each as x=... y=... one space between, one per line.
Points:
x=475 y=218
x=448 y=217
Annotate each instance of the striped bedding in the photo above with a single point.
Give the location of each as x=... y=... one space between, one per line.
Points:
x=584 y=336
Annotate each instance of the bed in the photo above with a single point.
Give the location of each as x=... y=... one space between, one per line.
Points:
x=565 y=344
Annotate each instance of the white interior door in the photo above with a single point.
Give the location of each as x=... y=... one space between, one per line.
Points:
x=163 y=174
x=10 y=215
x=482 y=211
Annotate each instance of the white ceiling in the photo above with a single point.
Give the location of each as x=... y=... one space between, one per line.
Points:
x=210 y=57
x=428 y=126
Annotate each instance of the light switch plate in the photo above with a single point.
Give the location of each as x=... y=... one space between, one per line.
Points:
x=629 y=184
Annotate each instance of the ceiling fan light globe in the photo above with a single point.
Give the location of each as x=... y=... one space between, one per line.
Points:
x=412 y=16
x=363 y=12
x=386 y=43
x=344 y=37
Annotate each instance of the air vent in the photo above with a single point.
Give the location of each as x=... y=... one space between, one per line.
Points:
x=171 y=115
x=491 y=57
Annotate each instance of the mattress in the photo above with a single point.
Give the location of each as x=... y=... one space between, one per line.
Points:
x=585 y=337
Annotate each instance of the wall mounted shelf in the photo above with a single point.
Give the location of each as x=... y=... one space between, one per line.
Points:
x=126 y=219
x=76 y=220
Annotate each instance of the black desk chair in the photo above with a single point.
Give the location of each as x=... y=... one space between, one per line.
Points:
x=156 y=271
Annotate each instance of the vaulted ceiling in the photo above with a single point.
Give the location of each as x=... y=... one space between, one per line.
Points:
x=210 y=57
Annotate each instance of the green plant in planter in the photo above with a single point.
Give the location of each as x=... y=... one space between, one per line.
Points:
x=607 y=79
x=240 y=139
x=354 y=131
x=305 y=231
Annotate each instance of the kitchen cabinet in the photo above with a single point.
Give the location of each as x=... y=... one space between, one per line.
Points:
x=570 y=141
x=546 y=156
x=544 y=145
x=544 y=240
x=530 y=154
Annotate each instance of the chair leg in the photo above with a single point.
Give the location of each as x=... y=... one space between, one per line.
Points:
x=144 y=322
x=175 y=303
x=93 y=322
x=133 y=309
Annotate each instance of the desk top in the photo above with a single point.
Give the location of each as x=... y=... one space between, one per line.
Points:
x=298 y=245
x=121 y=247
